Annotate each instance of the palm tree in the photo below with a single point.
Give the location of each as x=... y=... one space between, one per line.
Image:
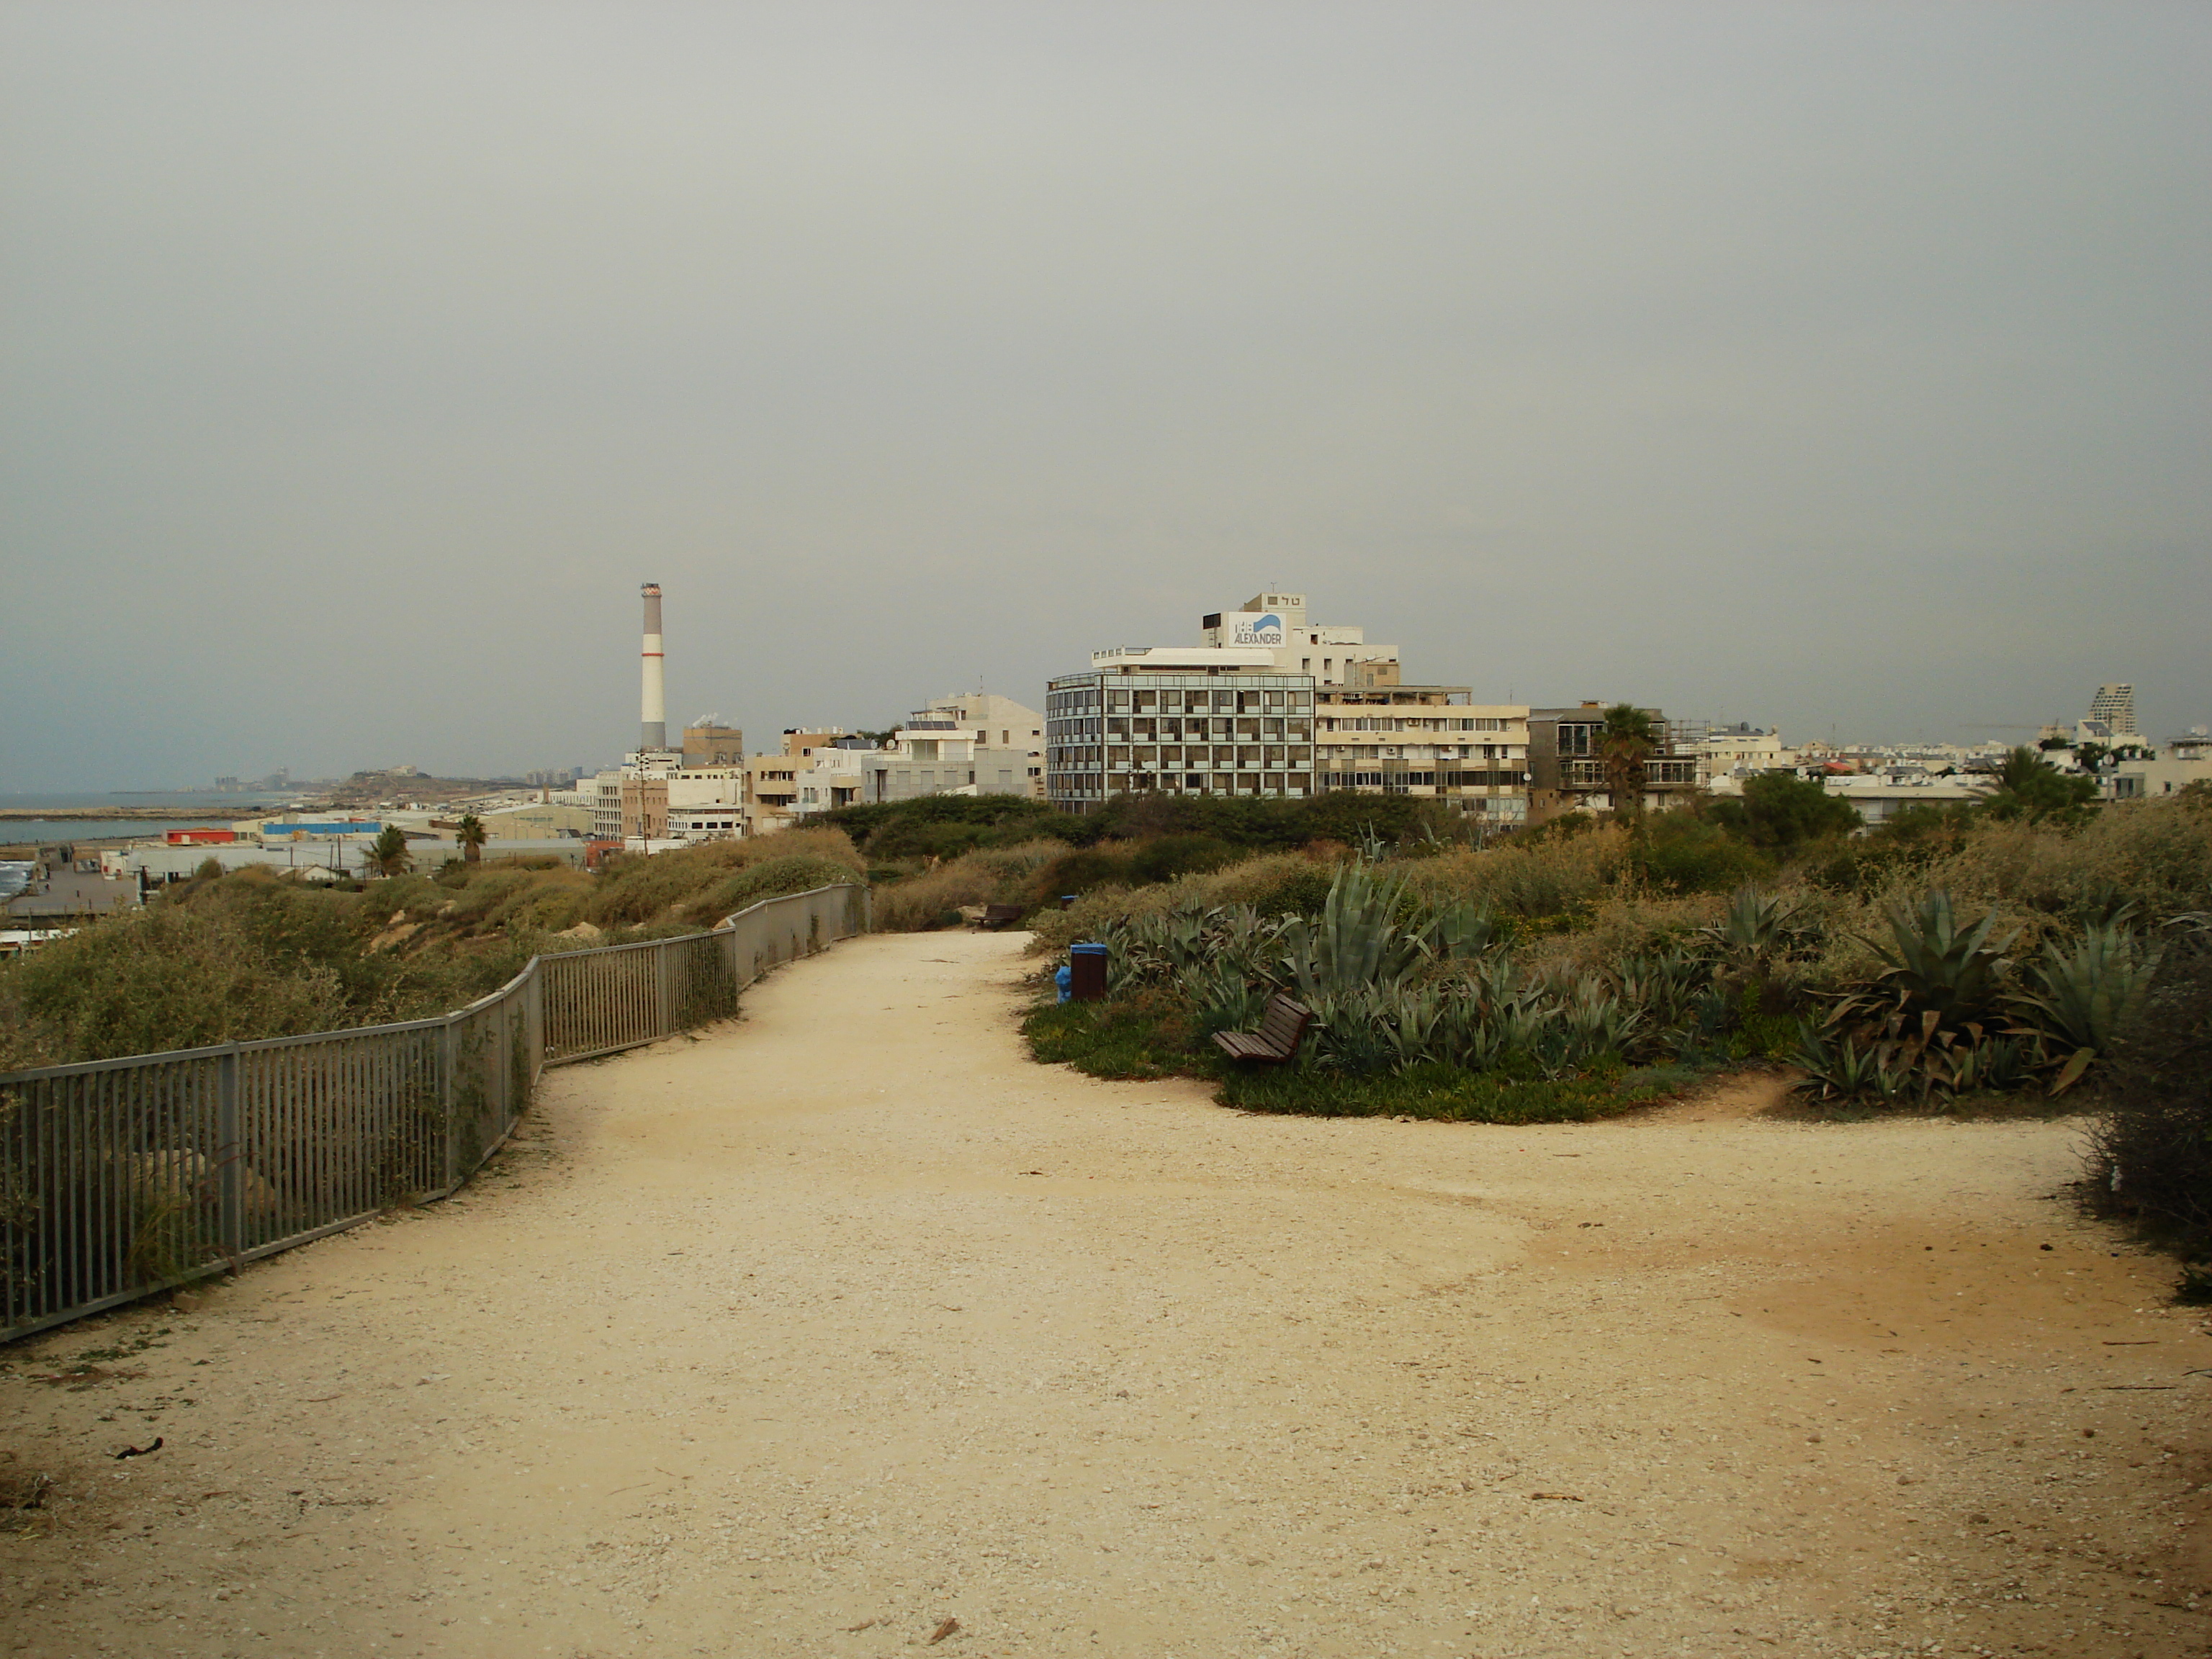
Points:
x=388 y=854
x=471 y=835
x=1628 y=735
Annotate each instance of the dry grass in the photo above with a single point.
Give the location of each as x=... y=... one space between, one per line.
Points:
x=995 y=875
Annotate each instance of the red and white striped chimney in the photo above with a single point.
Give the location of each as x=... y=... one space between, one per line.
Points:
x=654 y=708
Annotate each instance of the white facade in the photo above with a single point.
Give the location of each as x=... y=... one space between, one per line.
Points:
x=1277 y=623
x=835 y=780
x=1879 y=799
x=944 y=760
x=1000 y=723
x=1725 y=759
x=2170 y=768
x=723 y=822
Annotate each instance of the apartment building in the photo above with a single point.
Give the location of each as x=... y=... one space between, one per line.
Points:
x=938 y=757
x=1212 y=720
x=999 y=723
x=2115 y=705
x=1566 y=764
x=1727 y=755
x=1277 y=623
x=1378 y=734
x=773 y=792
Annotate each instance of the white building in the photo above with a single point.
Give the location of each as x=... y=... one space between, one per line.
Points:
x=939 y=757
x=1000 y=723
x=1277 y=623
x=1210 y=719
x=1726 y=756
x=2172 y=767
x=1879 y=799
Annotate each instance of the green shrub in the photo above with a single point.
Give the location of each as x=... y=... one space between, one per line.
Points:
x=1146 y=1034
x=1178 y=855
x=1779 y=811
x=632 y=892
x=2150 y=1159
x=1682 y=853
x=1450 y=1094
x=946 y=826
x=1083 y=871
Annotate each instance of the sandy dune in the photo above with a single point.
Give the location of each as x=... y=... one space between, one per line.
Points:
x=844 y=1322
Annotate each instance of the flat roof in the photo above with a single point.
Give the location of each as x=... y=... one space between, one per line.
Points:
x=1183 y=656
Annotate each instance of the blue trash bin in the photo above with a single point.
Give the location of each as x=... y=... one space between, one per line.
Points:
x=1088 y=978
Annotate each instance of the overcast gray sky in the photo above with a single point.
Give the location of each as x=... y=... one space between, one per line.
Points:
x=1837 y=366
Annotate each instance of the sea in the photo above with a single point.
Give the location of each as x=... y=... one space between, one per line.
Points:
x=70 y=818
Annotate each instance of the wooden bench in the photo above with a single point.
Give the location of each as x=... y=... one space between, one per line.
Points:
x=1278 y=1038
x=996 y=916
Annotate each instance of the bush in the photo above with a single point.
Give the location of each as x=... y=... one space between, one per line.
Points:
x=254 y=954
x=997 y=875
x=795 y=872
x=632 y=892
x=1083 y=870
x=1780 y=811
x=2150 y=1160
x=1683 y=853
x=945 y=826
x=185 y=976
x=1177 y=856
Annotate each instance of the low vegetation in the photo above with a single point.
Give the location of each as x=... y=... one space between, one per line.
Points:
x=2021 y=955
x=253 y=954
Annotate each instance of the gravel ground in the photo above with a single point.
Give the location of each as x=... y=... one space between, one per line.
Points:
x=845 y=1326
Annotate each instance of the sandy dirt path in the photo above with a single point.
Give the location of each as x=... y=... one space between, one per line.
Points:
x=846 y=1322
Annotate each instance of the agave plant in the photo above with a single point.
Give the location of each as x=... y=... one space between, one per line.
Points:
x=1357 y=1028
x=1755 y=928
x=1841 y=1068
x=1464 y=1033
x=1461 y=932
x=2079 y=995
x=1936 y=966
x=1601 y=1021
x=1998 y=1063
x=1667 y=988
x=1223 y=996
x=1355 y=941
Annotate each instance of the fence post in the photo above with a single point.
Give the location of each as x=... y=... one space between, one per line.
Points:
x=447 y=1059
x=229 y=1156
x=664 y=1005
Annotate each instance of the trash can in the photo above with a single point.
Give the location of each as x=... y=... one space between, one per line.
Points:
x=1068 y=900
x=1063 y=976
x=1087 y=975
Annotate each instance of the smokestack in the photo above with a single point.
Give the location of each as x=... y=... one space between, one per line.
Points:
x=653 y=709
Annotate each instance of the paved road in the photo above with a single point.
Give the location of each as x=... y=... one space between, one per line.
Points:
x=846 y=1322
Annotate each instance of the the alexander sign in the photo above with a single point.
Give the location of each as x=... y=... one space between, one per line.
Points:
x=1262 y=627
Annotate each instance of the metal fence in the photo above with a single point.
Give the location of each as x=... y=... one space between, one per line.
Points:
x=118 y=1177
